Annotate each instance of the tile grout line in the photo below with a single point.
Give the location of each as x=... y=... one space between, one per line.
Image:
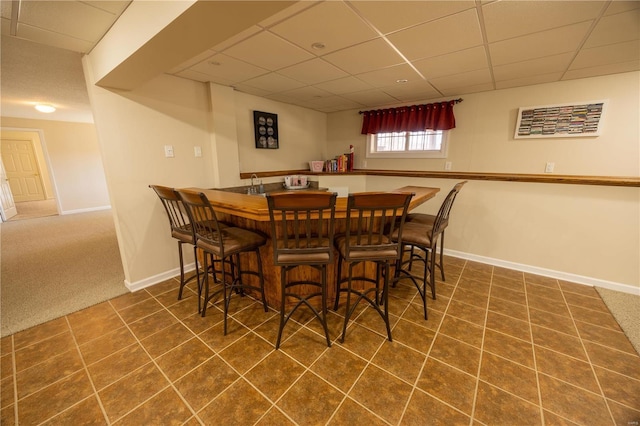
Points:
x=604 y=397
x=15 y=379
x=484 y=331
x=533 y=348
x=424 y=363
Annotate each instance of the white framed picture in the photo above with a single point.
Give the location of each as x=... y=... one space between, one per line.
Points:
x=580 y=119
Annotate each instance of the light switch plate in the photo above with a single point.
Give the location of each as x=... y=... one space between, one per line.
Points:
x=197 y=151
x=168 y=151
x=549 y=167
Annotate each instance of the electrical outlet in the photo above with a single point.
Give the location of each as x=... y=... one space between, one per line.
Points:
x=447 y=165
x=197 y=151
x=168 y=151
x=549 y=167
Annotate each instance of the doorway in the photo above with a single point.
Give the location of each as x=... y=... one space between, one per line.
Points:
x=27 y=176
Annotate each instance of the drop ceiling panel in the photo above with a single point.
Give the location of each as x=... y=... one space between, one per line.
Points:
x=112 y=6
x=446 y=35
x=601 y=70
x=61 y=41
x=389 y=76
x=307 y=93
x=370 y=98
x=509 y=19
x=470 y=78
x=313 y=71
x=475 y=88
x=615 y=28
x=533 y=67
x=228 y=68
x=73 y=18
x=365 y=57
x=545 y=43
x=344 y=85
x=621 y=6
x=526 y=81
x=268 y=51
x=273 y=82
x=611 y=54
x=332 y=23
x=411 y=91
x=390 y=16
x=456 y=62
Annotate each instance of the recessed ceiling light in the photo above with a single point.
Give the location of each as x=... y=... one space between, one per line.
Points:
x=318 y=46
x=45 y=108
x=402 y=80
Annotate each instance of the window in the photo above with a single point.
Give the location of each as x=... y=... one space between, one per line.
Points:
x=424 y=144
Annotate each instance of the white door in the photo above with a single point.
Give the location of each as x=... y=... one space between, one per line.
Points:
x=7 y=205
x=22 y=170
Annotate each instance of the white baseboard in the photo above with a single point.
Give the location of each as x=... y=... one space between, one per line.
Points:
x=92 y=209
x=579 y=279
x=167 y=275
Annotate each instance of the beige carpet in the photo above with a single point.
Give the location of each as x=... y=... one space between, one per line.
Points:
x=52 y=266
x=625 y=308
x=33 y=209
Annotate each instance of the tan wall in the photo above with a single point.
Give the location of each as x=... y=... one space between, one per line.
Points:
x=592 y=232
x=75 y=160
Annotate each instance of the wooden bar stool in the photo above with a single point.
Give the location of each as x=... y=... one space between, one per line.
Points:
x=225 y=244
x=428 y=220
x=421 y=237
x=302 y=228
x=372 y=218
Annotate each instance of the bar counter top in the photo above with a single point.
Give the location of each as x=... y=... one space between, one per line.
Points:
x=255 y=207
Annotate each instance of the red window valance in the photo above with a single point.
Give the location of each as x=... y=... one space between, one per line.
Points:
x=414 y=118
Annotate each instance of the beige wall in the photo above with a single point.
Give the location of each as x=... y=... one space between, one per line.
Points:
x=76 y=165
x=586 y=233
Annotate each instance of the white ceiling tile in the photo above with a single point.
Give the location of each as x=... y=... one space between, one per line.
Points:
x=470 y=78
x=289 y=12
x=412 y=91
x=611 y=54
x=344 y=85
x=529 y=80
x=228 y=68
x=268 y=51
x=453 y=63
x=621 y=6
x=307 y=93
x=370 y=98
x=256 y=91
x=242 y=35
x=365 y=57
x=313 y=71
x=192 y=61
x=112 y=6
x=615 y=28
x=72 y=18
x=5 y=9
x=602 y=70
x=389 y=76
x=193 y=75
x=61 y=41
x=545 y=43
x=532 y=67
x=331 y=23
x=446 y=35
x=335 y=102
x=508 y=19
x=273 y=82
x=389 y=16
x=463 y=89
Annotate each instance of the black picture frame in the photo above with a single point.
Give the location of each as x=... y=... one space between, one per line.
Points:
x=266 y=130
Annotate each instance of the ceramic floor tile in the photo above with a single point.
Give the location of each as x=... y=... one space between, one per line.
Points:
x=497 y=344
x=388 y=404
x=448 y=384
x=227 y=409
x=206 y=382
x=311 y=400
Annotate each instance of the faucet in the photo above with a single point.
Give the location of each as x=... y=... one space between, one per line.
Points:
x=252 y=189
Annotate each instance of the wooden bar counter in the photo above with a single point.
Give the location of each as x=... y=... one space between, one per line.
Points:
x=252 y=212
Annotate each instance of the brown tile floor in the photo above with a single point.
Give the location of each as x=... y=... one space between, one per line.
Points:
x=500 y=348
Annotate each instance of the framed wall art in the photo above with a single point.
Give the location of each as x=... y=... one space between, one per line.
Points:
x=560 y=121
x=266 y=129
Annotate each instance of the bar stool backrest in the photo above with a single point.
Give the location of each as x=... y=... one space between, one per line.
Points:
x=302 y=227
x=178 y=217
x=442 y=218
x=372 y=218
x=205 y=223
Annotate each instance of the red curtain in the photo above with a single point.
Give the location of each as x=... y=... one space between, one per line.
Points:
x=414 y=118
